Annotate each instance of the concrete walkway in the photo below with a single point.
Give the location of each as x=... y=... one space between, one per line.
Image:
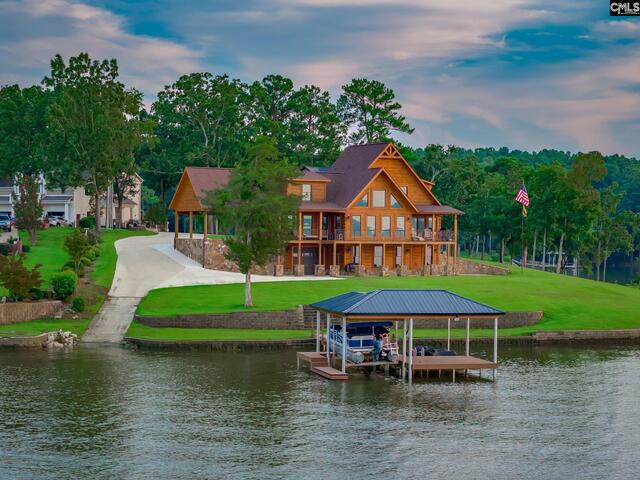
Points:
x=145 y=263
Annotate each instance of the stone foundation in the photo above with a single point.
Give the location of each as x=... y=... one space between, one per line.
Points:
x=334 y=270
x=298 y=270
x=360 y=270
x=214 y=258
x=320 y=271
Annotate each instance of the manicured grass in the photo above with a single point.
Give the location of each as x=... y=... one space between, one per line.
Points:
x=36 y=327
x=105 y=265
x=49 y=251
x=569 y=303
x=142 y=331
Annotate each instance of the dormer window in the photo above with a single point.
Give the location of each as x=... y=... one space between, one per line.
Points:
x=394 y=202
x=379 y=198
x=364 y=201
x=306 y=192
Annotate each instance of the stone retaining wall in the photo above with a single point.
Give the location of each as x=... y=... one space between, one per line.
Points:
x=286 y=320
x=468 y=267
x=17 y=312
x=37 y=341
x=304 y=317
x=214 y=255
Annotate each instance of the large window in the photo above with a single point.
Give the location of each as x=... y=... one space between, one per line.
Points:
x=364 y=201
x=307 y=225
x=377 y=255
x=379 y=198
x=371 y=226
x=356 y=226
x=400 y=227
x=386 y=225
x=355 y=252
x=398 y=256
x=394 y=202
x=306 y=192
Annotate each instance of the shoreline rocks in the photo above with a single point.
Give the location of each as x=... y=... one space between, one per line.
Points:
x=60 y=339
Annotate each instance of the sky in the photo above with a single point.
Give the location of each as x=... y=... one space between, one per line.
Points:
x=516 y=73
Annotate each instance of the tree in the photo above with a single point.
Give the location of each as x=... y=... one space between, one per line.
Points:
x=256 y=204
x=23 y=146
x=435 y=161
x=19 y=280
x=369 y=108
x=125 y=185
x=77 y=246
x=28 y=206
x=93 y=122
x=315 y=130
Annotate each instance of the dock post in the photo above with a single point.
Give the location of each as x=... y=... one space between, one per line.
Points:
x=448 y=333
x=318 y=331
x=495 y=345
x=344 y=344
x=328 y=342
x=467 y=344
x=410 y=350
x=404 y=346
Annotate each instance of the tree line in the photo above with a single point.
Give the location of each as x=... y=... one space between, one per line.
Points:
x=83 y=127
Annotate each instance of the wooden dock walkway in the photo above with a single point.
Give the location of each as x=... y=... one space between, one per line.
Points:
x=318 y=363
x=454 y=362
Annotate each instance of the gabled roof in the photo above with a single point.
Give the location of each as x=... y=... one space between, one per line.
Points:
x=439 y=210
x=351 y=173
x=312 y=176
x=205 y=179
x=406 y=303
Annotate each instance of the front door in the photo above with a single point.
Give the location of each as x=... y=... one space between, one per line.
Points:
x=309 y=260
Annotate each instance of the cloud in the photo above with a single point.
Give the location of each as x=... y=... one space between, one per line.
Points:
x=60 y=26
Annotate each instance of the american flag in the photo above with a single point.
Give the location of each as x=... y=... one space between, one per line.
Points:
x=523 y=197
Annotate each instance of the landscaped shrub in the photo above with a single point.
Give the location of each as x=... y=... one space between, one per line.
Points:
x=91 y=254
x=77 y=304
x=88 y=222
x=76 y=246
x=18 y=279
x=26 y=248
x=63 y=284
x=37 y=293
x=5 y=248
x=69 y=266
x=93 y=238
x=85 y=261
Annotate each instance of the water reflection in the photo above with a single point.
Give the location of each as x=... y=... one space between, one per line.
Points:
x=111 y=412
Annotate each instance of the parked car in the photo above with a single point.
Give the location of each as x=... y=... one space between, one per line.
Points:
x=55 y=221
x=5 y=222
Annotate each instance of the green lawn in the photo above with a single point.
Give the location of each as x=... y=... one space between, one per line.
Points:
x=49 y=251
x=569 y=303
x=36 y=327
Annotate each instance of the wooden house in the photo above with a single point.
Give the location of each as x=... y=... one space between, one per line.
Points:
x=369 y=212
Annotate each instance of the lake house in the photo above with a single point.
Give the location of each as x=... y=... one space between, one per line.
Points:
x=368 y=213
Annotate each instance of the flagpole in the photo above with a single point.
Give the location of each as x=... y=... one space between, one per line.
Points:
x=522 y=240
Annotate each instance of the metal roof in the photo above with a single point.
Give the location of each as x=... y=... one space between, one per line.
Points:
x=406 y=303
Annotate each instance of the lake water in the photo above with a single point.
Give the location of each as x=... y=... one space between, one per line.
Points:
x=116 y=413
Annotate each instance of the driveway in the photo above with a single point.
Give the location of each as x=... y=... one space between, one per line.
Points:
x=145 y=263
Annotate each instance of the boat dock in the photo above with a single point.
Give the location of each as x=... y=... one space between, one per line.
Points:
x=318 y=364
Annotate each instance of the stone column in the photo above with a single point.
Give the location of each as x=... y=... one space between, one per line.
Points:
x=298 y=270
x=319 y=271
x=334 y=270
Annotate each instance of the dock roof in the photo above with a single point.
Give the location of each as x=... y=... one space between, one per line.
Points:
x=405 y=303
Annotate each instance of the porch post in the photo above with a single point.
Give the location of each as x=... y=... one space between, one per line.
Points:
x=204 y=239
x=448 y=333
x=467 y=344
x=318 y=331
x=334 y=254
x=190 y=224
x=344 y=344
x=176 y=224
x=455 y=239
x=495 y=344
x=299 y=241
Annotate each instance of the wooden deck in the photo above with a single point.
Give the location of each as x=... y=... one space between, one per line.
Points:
x=456 y=362
x=314 y=359
x=330 y=373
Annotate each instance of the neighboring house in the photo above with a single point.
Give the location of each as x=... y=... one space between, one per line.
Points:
x=368 y=212
x=72 y=204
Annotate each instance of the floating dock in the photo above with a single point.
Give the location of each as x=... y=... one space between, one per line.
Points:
x=318 y=363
